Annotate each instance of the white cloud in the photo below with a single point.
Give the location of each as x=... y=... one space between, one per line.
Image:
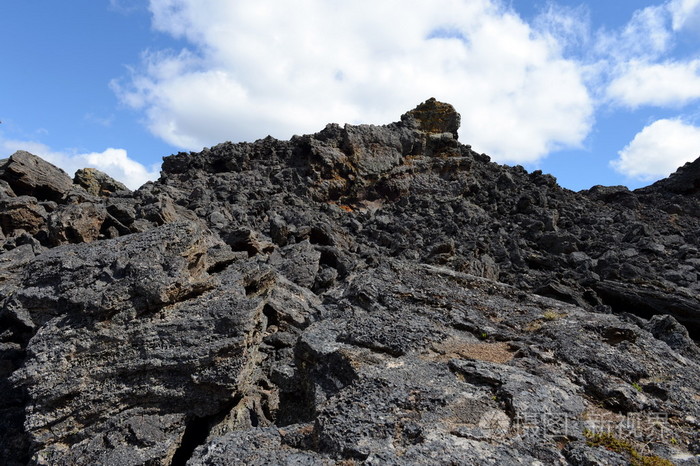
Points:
x=684 y=13
x=284 y=68
x=569 y=27
x=640 y=67
x=115 y=162
x=658 y=150
x=645 y=36
x=662 y=84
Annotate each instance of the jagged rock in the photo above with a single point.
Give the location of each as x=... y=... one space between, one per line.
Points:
x=122 y=211
x=22 y=213
x=139 y=314
x=666 y=328
x=434 y=117
x=685 y=180
x=5 y=189
x=262 y=446
x=97 y=183
x=298 y=262
x=30 y=175
x=363 y=295
x=582 y=455
x=613 y=194
x=76 y=223
x=649 y=301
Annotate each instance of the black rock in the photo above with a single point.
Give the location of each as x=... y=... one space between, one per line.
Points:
x=362 y=295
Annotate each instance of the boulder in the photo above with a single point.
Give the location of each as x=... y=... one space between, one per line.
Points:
x=97 y=183
x=76 y=223
x=30 y=175
x=22 y=213
x=433 y=116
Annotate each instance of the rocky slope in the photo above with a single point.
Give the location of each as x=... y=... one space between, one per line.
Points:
x=363 y=295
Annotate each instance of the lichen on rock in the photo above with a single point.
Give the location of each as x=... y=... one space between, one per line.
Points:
x=433 y=116
x=97 y=183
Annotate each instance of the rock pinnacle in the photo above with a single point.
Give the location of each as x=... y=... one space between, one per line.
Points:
x=433 y=116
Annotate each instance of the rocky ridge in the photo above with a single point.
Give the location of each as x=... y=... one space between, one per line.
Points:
x=363 y=295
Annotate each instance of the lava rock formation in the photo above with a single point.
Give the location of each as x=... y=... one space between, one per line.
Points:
x=363 y=295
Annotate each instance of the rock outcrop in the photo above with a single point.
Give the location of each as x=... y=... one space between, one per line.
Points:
x=97 y=183
x=363 y=295
x=28 y=174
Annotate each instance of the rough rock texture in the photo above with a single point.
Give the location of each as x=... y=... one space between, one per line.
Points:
x=97 y=183
x=28 y=174
x=363 y=295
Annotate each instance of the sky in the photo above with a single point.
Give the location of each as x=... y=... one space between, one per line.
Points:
x=594 y=92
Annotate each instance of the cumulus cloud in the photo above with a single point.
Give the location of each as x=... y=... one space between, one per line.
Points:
x=658 y=150
x=661 y=84
x=115 y=162
x=256 y=67
x=638 y=70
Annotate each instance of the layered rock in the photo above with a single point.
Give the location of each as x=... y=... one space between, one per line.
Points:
x=28 y=174
x=366 y=294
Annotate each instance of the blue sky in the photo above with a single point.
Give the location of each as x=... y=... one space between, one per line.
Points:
x=593 y=92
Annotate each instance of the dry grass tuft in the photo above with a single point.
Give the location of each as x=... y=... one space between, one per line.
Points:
x=499 y=353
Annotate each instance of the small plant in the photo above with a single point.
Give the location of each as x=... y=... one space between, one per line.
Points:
x=483 y=336
x=534 y=326
x=636 y=386
x=609 y=441
x=551 y=315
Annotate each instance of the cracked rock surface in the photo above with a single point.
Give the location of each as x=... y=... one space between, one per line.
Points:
x=363 y=295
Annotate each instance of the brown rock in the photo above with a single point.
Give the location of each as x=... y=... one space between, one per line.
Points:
x=76 y=223
x=21 y=213
x=434 y=117
x=97 y=183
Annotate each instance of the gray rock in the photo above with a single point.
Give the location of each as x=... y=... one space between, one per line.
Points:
x=298 y=262
x=582 y=455
x=30 y=175
x=363 y=295
x=259 y=447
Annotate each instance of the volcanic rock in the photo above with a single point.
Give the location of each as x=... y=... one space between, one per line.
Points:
x=685 y=180
x=362 y=295
x=434 y=117
x=97 y=183
x=28 y=174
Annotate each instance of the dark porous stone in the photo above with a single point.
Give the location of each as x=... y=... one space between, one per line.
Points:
x=30 y=175
x=369 y=294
